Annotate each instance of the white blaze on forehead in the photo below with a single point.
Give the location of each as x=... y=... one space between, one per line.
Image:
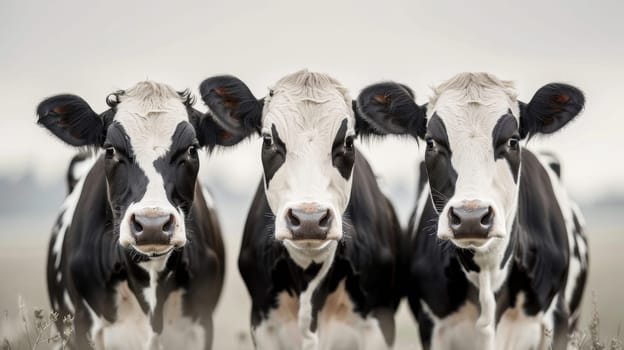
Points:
x=470 y=105
x=149 y=114
x=307 y=110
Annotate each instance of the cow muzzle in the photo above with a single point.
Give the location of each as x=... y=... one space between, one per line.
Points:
x=471 y=223
x=155 y=231
x=311 y=223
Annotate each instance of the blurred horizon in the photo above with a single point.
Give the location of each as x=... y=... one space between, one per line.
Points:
x=94 y=49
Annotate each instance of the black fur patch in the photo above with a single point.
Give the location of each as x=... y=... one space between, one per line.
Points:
x=505 y=128
x=127 y=182
x=442 y=176
x=179 y=168
x=273 y=156
x=343 y=156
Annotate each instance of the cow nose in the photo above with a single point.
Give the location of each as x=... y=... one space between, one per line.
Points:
x=471 y=222
x=152 y=229
x=309 y=223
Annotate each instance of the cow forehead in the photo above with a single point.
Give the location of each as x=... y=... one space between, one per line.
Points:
x=470 y=104
x=307 y=104
x=308 y=121
x=150 y=113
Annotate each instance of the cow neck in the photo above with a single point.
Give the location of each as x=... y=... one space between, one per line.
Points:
x=488 y=272
x=150 y=280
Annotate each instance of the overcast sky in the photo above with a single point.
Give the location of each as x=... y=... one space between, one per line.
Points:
x=50 y=47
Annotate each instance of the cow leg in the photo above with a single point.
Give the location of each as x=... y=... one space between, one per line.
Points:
x=376 y=332
x=83 y=335
x=208 y=326
x=306 y=315
x=153 y=341
x=268 y=335
x=425 y=327
x=561 y=326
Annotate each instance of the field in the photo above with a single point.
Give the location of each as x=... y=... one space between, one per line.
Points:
x=23 y=244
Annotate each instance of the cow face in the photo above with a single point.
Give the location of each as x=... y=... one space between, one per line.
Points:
x=472 y=131
x=150 y=145
x=307 y=127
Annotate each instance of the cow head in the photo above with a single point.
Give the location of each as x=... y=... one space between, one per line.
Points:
x=308 y=126
x=150 y=136
x=472 y=128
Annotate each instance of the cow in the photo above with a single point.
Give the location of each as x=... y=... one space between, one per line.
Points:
x=136 y=254
x=319 y=253
x=498 y=257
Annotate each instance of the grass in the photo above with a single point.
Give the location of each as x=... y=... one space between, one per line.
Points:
x=35 y=329
x=589 y=339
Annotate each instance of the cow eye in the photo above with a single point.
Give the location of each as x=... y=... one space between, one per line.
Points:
x=192 y=151
x=430 y=143
x=110 y=152
x=513 y=143
x=267 y=140
x=349 y=143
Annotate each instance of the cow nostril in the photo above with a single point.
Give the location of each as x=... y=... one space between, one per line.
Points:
x=292 y=218
x=136 y=227
x=325 y=220
x=168 y=226
x=487 y=219
x=455 y=220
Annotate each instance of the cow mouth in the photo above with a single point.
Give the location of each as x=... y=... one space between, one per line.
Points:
x=308 y=244
x=153 y=250
x=470 y=243
x=475 y=243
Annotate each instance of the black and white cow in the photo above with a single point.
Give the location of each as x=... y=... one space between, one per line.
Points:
x=498 y=258
x=319 y=250
x=136 y=254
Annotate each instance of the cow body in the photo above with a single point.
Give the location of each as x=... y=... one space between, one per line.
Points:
x=112 y=292
x=320 y=251
x=498 y=258
x=136 y=255
x=544 y=271
x=352 y=302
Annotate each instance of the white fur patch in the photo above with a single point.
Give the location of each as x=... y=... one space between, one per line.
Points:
x=518 y=331
x=132 y=329
x=424 y=196
x=307 y=110
x=153 y=267
x=149 y=114
x=456 y=331
x=339 y=326
x=568 y=210
x=69 y=207
x=310 y=339
x=470 y=105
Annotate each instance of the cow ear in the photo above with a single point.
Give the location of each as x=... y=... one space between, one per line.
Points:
x=209 y=132
x=71 y=119
x=550 y=109
x=233 y=107
x=389 y=108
